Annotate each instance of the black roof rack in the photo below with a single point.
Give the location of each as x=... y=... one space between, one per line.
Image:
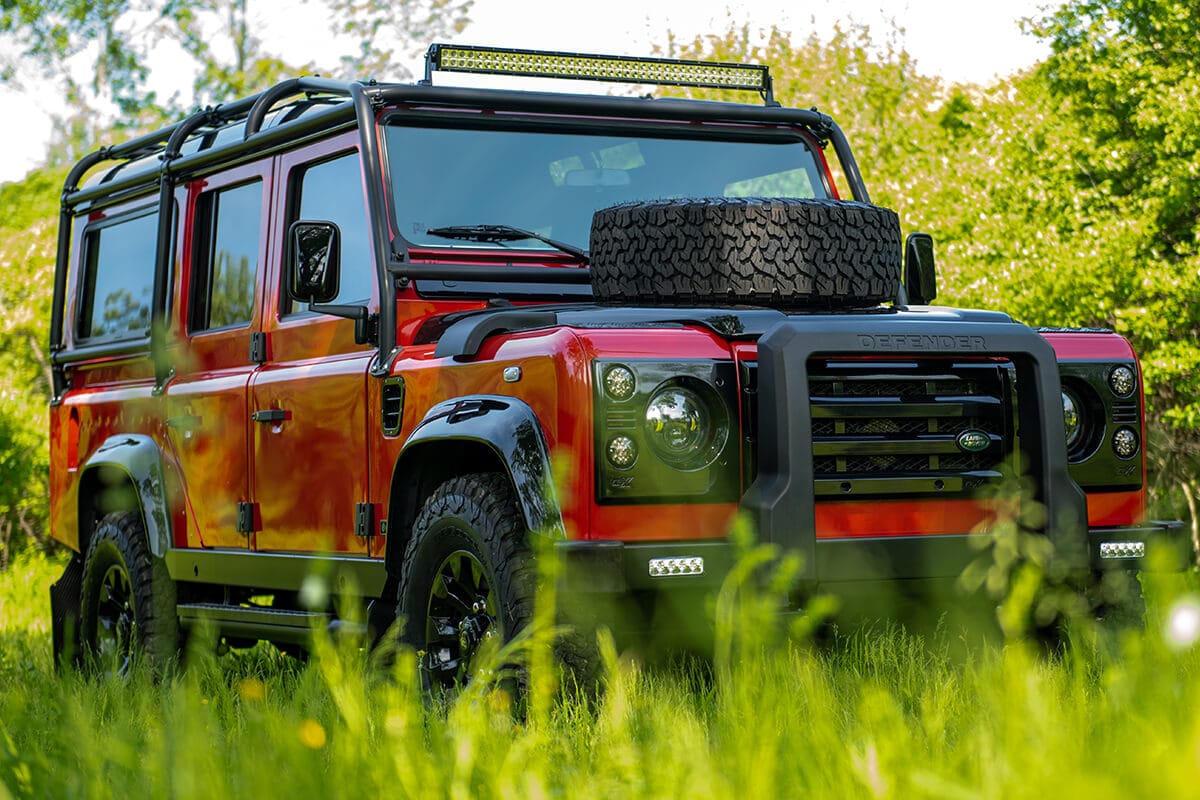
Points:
x=330 y=105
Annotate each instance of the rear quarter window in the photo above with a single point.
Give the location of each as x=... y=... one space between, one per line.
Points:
x=118 y=277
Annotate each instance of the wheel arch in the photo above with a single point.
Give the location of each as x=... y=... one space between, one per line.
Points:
x=125 y=474
x=473 y=434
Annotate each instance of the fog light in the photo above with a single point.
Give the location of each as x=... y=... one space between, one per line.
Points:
x=1122 y=549
x=683 y=565
x=1125 y=443
x=1122 y=381
x=622 y=452
x=619 y=383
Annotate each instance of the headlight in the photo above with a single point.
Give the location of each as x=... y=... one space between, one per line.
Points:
x=1071 y=418
x=680 y=428
x=665 y=431
x=1102 y=415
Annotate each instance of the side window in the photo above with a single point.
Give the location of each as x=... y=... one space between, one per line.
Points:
x=332 y=191
x=118 y=278
x=226 y=257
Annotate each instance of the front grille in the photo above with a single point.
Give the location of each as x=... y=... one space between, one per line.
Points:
x=895 y=428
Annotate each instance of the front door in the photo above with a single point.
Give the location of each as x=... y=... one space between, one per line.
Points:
x=308 y=401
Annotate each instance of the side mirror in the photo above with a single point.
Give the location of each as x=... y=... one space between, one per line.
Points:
x=313 y=249
x=920 y=275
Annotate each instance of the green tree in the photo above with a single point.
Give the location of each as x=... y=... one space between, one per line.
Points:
x=1065 y=195
x=386 y=30
x=218 y=35
x=27 y=242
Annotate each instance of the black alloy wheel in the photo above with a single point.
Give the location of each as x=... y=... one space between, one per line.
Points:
x=461 y=617
x=116 y=629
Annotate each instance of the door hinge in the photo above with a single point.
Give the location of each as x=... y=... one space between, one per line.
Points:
x=258 y=347
x=364 y=520
x=247 y=518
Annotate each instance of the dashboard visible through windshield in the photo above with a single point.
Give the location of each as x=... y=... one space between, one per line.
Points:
x=549 y=183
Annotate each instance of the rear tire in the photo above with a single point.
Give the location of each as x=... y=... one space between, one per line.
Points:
x=128 y=601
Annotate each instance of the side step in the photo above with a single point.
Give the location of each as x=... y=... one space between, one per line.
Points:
x=271 y=624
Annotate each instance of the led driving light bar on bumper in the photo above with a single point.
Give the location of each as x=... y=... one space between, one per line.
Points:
x=1122 y=550
x=683 y=565
x=583 y=66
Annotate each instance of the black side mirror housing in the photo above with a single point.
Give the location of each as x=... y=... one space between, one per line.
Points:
x=313 y=250
x=920 y=274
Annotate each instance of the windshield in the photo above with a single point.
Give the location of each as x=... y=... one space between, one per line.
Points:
x=550 y=183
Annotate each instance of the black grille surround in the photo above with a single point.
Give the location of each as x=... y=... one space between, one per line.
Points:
x=891 y=427
x=781 y=499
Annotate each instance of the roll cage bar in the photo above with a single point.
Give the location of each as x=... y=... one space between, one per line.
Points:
x=321 y=112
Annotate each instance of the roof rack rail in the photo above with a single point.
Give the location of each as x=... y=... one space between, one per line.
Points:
x=594 y=67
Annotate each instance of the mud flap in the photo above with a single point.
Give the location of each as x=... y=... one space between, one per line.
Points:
x=65 y=595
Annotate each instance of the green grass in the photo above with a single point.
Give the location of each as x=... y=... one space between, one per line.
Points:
x=879 y=713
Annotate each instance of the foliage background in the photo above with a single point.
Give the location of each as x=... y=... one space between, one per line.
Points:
x=1065 y=195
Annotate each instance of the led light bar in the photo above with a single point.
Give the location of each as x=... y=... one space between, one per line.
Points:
x=684 y=565
x=581 y=66
x=1122 y=549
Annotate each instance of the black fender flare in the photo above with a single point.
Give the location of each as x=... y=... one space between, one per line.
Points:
x=506 y=426
x=137 y=458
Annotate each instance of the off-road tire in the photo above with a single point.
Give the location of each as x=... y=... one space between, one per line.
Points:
x=783 y=253
x=1118 y=601
x=477 y=513
x=119 y=548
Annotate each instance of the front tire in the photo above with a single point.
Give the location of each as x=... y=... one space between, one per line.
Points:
x=128 y=601
x=468 y=578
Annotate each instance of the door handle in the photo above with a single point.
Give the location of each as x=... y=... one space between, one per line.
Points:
x=271 y=415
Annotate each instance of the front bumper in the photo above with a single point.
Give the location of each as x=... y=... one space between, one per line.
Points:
x=614 y=567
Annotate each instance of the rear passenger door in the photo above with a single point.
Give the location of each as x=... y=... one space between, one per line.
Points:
x=309 y=440
x=207 y=403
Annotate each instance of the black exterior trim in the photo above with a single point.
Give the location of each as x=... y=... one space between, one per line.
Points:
x=1168 y=546
x=509 y=428
x=781 y=500
x=65 y=597
x=282 y=571
x=730 y=323
x=597 y=567
x=463 y=341
x=138 y=458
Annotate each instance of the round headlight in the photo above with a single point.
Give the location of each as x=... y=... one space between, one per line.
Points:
x=1122 y=381
x=1125 y=443
x=1071 y=418
x=622 y=452
x=683 y=429
x=619 y=383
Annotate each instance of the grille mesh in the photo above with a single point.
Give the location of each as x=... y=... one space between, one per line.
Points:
x=900 y=421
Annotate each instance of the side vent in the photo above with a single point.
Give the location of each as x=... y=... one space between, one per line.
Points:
x=391 y=405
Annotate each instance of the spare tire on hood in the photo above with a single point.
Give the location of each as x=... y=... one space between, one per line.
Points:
x=783 y=253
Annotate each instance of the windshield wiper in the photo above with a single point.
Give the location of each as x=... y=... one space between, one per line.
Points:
x=503 y=233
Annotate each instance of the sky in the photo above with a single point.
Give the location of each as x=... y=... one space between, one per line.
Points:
x=959 y=40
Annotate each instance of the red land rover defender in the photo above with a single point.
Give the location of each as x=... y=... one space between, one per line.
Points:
x=397 y=332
